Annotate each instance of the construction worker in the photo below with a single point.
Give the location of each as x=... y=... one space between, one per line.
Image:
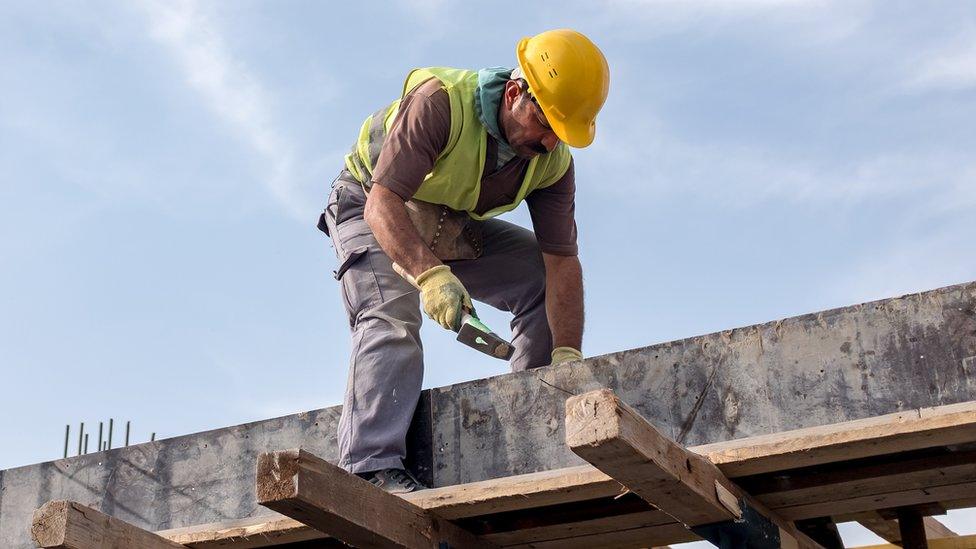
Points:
x=413 y=210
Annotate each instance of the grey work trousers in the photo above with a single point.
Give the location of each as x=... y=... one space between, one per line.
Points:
x=387 y=365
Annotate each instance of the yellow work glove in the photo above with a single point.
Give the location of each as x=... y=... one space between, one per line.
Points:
x=443 y=295
x=565 y=354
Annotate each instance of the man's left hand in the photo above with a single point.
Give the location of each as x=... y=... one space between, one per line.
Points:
x=565 y=354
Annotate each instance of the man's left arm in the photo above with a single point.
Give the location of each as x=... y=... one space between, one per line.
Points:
x=553 y=211
x=564 y=301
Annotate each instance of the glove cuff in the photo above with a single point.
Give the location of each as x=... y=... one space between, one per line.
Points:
x=565 y=354
x=431 y=273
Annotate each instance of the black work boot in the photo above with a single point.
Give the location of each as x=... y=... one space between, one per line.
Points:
x=394 y=481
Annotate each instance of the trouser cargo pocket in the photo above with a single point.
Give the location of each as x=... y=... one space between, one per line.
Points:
x=354 y=256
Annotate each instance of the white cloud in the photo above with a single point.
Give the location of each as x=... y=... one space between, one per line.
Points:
x=744 y=175
x=231 y=91
x=818 y=20
x=951 y=67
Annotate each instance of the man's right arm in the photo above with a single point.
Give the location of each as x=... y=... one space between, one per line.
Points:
x=417 y=137
x=387 y=217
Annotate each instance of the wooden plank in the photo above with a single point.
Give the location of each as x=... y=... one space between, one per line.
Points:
x=617 y=440
x=69 y=525
x=956 y=542
x=896 y=498
x=888 y=529
x=625 y=539
x=518 y=492
x=581 y=528
x=935 y=529
x=249 y=533
x=914 y=429
x=958 y=474
x=315 y=492
x=890 y=433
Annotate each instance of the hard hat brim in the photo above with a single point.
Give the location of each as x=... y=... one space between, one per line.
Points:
x=574 y=135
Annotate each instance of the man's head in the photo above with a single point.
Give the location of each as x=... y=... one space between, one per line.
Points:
x=568 y=78
x=522 y=120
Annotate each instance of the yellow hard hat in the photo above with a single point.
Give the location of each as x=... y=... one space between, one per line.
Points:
x=570 y=78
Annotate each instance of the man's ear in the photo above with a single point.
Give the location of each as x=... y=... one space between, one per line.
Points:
x=511 y=93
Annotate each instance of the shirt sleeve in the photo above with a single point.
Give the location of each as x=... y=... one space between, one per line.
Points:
x=553 y=211
x=417 y=137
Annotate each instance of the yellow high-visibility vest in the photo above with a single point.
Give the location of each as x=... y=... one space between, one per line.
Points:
x=455 y=179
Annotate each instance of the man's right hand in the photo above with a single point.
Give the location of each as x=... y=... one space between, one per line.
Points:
x=443 y=296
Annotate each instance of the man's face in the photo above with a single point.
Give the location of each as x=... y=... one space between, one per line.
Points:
x=525 y=126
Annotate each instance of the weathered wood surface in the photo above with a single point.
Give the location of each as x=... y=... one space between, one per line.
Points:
x=914 y=351
x=262 y=531
x=617 y=440
x=888 y=530
x=889 y=433
x=342 y=505
x=70 y=525
x=957 y=542
x=848 y=487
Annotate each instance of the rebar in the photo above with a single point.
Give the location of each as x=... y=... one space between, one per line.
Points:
x=153 y=437
x=110 y=426
x=86 y=443
x=127 y=422
x=67 y=431
x=100 y=436
x=81 y=436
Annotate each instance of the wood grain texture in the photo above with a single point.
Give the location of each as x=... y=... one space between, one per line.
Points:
x=64 y=524
x=617 y=440
x=311 y=490
x=770 y=454
x=890 y=433
x=956 y=542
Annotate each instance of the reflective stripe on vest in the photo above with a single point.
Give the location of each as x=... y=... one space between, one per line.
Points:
x=455 y=179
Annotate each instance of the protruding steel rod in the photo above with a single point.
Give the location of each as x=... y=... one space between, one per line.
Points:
x=111 y=423
x=100 y=436
x=81 y=436
x=67 y=432
x=127 y=432
x=86 y=443
x=153 y=437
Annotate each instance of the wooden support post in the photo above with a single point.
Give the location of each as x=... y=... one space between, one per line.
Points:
x=68 y=525
x=315 y=492
x=617 y=440
x=912 y=528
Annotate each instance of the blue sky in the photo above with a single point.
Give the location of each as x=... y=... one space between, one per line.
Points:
x=162 y=165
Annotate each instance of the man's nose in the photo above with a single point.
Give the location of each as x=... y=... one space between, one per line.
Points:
x=549 y=141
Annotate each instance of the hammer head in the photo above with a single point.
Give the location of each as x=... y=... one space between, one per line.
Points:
x=476 y=335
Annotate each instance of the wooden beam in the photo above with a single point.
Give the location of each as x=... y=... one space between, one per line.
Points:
x=311 y=490
x=69 y=525
x=249 y=533
x=617 y=440
x=891 y=433
x=957 y=542
x=935 y=529
x=888 y=529
x=850 y=504
x=911 y=528
x=815 y=446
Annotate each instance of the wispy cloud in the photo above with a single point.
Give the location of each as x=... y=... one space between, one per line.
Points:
x=743 y=175
x=950 y=67
x=231 y=91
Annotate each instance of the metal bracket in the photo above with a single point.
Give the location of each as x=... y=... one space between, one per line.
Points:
x=752 y=531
